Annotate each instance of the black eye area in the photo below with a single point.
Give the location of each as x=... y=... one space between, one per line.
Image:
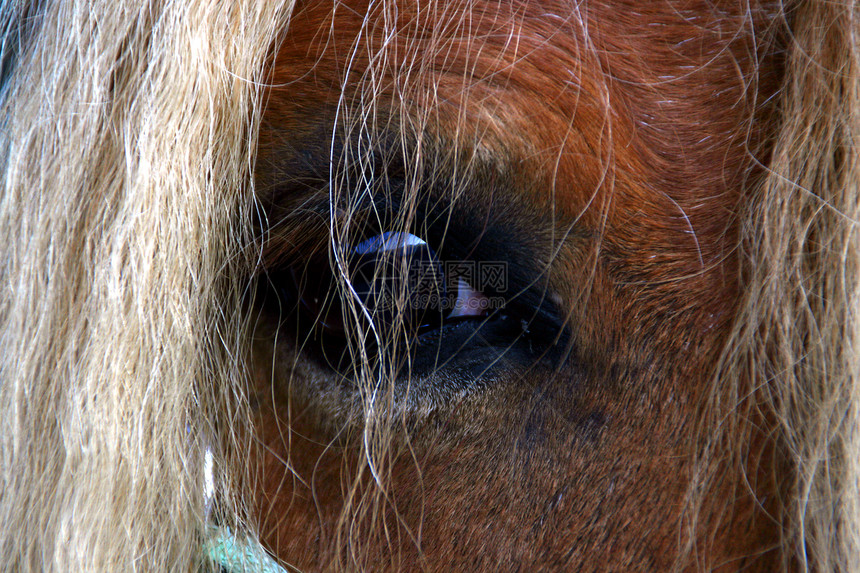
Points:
x=398 y=275
x=397 y=279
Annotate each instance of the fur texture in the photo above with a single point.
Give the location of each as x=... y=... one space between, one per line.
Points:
x=165 y=163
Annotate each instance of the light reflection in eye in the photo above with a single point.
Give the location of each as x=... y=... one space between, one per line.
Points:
x=381 y=265
x=387 y=241
x=468 y=302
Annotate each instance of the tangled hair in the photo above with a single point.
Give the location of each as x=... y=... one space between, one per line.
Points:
x=128 y=136
x=131 y=248
x=796 y=332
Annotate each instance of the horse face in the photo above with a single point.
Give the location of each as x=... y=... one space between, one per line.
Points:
x=569 y=175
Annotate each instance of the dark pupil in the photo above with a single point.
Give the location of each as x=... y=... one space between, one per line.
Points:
x=398 y=274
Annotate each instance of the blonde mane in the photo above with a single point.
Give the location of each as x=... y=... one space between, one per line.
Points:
x=795 y=343
x=129 y=135
x=128 y=138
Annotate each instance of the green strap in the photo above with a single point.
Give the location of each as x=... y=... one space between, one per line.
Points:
x=234 y=554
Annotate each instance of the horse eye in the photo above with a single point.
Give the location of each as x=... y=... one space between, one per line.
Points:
x=395 y=276
x=398 y=275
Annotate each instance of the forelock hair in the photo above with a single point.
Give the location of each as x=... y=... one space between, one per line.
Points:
x=127 y=143
x=795 y=350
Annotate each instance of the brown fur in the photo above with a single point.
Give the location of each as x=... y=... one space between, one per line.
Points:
x=622 y=145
